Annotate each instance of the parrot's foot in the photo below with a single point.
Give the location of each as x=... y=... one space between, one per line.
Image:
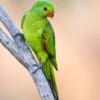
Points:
x=21 y=35
x=39 y=66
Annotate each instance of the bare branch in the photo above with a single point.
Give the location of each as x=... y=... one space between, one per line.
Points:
x=22 y=53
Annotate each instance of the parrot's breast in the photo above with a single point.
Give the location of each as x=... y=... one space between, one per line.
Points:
x=33 y=29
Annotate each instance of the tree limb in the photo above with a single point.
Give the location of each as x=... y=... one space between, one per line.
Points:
x=22 y=53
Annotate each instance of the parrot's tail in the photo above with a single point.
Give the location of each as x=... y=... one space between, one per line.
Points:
x=53 y=85
x=49 y=73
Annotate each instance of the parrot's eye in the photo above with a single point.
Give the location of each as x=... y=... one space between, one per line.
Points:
x=45 y=8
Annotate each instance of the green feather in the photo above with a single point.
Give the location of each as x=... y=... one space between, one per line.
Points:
x=50 y=43
x=22 y=21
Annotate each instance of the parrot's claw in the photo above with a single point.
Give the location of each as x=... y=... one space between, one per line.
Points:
x=39 y=66
x=21 y=35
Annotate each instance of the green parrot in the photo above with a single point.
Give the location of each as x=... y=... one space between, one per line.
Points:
x=39 y=35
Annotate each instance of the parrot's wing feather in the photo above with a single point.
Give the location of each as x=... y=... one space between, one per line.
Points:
x=49 y=43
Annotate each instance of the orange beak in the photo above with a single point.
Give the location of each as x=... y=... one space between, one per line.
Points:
x=51 y=14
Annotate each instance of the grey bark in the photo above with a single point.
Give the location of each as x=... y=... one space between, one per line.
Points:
x=18 y=48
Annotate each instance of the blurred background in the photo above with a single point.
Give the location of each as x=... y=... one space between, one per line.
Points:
x=77 y=29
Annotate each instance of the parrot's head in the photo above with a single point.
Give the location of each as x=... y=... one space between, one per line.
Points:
x=44 y=8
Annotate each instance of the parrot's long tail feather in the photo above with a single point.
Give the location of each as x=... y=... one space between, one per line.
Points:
x=49 y=73
x=52 y=89
x=55 y=94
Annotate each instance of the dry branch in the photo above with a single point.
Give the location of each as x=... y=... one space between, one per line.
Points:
x=18 y=48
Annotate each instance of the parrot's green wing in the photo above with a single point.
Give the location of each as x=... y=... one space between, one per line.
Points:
x=49 y=46
x=49 y=43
